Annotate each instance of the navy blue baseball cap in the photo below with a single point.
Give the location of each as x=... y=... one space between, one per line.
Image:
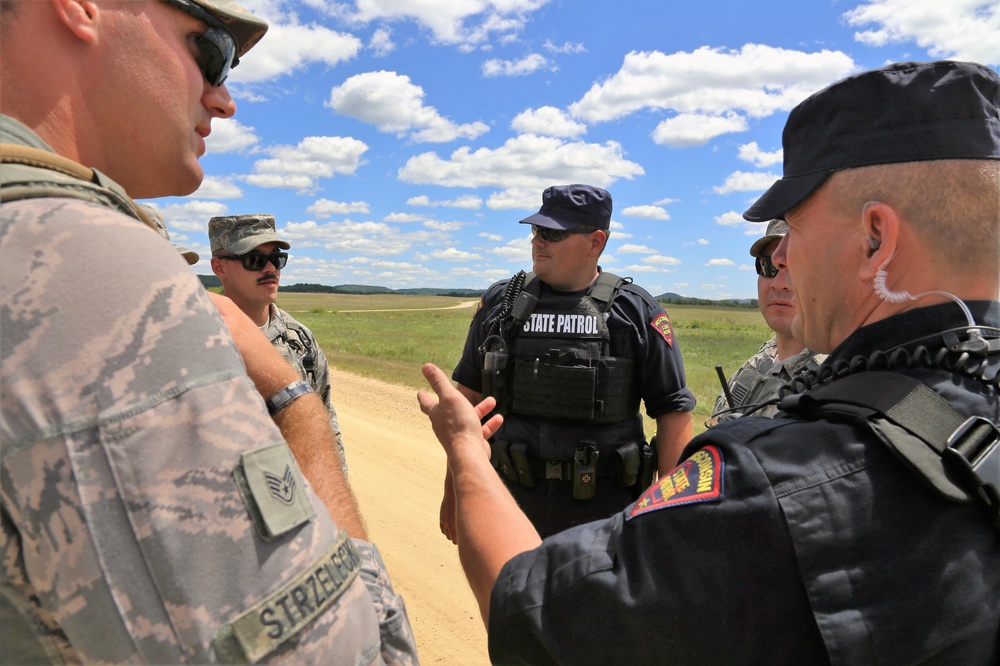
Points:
x=571 y=206
x=904 y=112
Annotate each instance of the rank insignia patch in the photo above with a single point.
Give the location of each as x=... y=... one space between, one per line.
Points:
x=661 y=324
x=697 y=479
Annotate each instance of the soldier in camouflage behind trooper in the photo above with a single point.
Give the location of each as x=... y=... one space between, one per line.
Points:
x=153 y=511
x=757 y=381
x=241 y=239
x=156 y=217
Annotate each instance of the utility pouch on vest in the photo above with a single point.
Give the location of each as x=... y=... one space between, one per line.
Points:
x=627 y=459
x=543 y=388
x=585 y=471
x=500 y=457
x=519 y=456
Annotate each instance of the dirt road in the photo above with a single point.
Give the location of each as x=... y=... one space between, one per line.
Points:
x=397 y=472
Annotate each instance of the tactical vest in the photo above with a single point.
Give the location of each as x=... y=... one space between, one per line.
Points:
x=32 y=173
x=559 y=363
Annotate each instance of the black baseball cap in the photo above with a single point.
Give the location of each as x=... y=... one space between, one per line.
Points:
x=571 y=206
x=904 y=112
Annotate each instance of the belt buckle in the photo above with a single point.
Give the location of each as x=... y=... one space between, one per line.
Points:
x=553 y=470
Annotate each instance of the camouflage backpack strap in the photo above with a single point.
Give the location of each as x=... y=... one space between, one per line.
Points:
x=308 y=344
x=958 y=457
x=32 y=173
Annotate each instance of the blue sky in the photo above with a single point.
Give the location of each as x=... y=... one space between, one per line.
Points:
x=398 y=142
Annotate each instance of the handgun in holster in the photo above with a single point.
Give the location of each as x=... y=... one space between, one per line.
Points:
x=647 y=467
x=585 y=471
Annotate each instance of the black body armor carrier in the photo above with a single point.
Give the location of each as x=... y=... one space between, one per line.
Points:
x=554 y=359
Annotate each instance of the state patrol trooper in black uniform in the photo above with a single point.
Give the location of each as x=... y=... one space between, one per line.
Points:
x=862 y=524
x=569 y=351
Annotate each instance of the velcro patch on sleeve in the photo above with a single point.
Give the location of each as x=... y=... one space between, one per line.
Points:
x=697 y=479
x=661 y=324
x=273 y=490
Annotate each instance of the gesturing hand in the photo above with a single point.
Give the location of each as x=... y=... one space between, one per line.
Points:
x=453 y=419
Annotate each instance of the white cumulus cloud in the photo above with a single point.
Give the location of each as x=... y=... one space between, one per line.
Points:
x=547 y=121
x=646 y=212
x=954 y=30
x=523 y=167
x=394 y=104
x=326 y=207
x=300 y=166
x=743 y=181
x=527 y=65
x=291 y=46
x=230 y=136
x=696 y=129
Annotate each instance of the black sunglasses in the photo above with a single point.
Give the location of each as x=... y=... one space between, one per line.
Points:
x=556 y=235
x=764 y=267
x=217 y=44
x=256 y=261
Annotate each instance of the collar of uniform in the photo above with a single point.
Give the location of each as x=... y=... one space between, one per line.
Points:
x=902 y=328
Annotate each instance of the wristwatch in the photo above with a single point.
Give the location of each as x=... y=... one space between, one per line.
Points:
x=280 y=400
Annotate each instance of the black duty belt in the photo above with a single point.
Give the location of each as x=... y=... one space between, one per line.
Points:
x=562 y=470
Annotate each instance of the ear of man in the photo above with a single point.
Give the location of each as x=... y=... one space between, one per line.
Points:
x=880 y=231
x=79 y=16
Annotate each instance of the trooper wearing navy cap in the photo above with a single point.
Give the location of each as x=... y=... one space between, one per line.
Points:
x=862 y=524
x=569 y=364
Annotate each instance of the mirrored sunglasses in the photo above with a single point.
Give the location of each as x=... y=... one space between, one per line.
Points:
x=217 y=44
x=765 y=268
x=256 y=261
x=556 y=235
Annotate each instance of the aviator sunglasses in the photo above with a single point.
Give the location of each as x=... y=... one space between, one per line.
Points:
x=256 y=261
x=556 y=235
x=217 y=44
x=765 y=268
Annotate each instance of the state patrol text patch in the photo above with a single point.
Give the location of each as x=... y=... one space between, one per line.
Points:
x=661 y=324
x=697 y=479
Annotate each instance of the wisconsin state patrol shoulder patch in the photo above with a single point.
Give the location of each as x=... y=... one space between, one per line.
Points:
x=697 y=479
x=661 y=324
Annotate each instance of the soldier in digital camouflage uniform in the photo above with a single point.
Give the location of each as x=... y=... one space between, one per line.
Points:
x=160 y=224
x=152 y=511
x=757 y=381
x=254 y=291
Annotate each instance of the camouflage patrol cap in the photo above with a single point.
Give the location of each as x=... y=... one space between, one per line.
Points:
x=156 y=216
x=246 y=28
x=775 y=230
x=239 y=234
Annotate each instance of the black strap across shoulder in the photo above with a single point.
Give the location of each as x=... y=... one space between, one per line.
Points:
x=958 y=456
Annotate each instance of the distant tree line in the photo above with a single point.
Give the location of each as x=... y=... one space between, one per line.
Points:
x=748 y=304
x=312 y=288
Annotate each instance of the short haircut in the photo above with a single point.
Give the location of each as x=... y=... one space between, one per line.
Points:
x=953 y=204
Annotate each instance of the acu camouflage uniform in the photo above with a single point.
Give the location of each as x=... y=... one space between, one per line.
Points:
x=299 y=347
x=151 y=511
x=759 y=379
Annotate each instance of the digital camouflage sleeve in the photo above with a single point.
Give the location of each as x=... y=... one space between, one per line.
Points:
x=151 y=511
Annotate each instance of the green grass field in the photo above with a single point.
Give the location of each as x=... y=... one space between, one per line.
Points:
x=388 y=337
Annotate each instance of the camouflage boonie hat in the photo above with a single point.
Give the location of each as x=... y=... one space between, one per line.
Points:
x=775 y=230
x=239 y=234
x=246 y=28
x=156 y=216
